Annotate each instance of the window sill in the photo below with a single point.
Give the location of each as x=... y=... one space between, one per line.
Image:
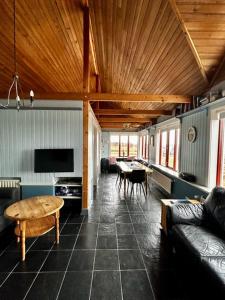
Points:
x=175 y=174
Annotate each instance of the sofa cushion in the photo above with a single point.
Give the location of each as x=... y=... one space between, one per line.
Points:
x=215 y=207
x=199 y=240
x=216 y=268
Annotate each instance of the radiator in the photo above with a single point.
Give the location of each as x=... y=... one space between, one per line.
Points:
x=9 y=183
x=162 y=180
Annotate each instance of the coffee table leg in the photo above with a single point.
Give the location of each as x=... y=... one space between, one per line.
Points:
x=23 y=238
x=18 y=237
x=57 y=227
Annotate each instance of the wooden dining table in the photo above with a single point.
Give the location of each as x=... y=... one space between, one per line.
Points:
x=128 y=167
x=34 y=217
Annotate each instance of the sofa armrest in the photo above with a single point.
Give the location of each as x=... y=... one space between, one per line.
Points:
x=191 y=214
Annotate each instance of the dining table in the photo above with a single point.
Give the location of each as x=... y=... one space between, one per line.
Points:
x=127 y=167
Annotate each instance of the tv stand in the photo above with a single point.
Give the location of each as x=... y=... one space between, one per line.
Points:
x=70 y=190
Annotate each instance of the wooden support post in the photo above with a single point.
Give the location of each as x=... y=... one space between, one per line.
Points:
x=86 y=88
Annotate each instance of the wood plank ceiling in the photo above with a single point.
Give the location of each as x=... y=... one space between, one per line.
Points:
x=137 y=47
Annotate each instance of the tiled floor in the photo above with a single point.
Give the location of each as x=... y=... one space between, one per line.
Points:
x=117 y=252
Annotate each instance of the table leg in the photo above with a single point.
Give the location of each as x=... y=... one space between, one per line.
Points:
x=23 y=238
x=57 y=227
x=18 y=237
x=146 y=182
x=125 y=179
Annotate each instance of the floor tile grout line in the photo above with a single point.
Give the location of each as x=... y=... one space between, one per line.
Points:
x=93 y=270
x=16 y=265
x=38 y=272
x=117 y=242
x=150 y=284
x=68 y=262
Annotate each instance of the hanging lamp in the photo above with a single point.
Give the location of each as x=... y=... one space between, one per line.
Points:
x=16 y=83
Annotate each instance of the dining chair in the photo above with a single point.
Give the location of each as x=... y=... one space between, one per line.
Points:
x=137 y=177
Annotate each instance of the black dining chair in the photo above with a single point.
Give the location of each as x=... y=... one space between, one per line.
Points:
x=137 y=177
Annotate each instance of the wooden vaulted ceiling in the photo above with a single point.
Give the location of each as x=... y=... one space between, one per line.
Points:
x=152 y=47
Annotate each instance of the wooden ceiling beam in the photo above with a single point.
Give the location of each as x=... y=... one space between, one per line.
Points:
x=124 y=120
x=108 y=112
x=189 y=39
x=113 y=97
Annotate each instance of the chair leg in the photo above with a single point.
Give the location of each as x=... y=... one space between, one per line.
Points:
x=143 y=189
x=118 y=175
x=132 y=189
x=128 y=186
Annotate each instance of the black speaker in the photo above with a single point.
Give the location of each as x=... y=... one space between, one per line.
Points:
x=187 y=177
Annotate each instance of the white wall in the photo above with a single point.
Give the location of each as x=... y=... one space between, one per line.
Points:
x=105 y=144
x=22 y=132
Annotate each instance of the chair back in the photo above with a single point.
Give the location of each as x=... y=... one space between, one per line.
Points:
x=137 y=176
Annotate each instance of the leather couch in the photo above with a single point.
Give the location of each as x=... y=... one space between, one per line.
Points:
x=7 y=197
x=198 y=235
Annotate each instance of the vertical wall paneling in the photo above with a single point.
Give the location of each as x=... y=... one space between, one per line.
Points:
x=194 y=156
x=22 y=132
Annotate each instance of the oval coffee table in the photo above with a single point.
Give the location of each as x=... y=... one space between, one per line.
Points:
x=35 y=216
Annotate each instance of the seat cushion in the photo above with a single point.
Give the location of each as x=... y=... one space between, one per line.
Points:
x=199 y=240
x=215 y=268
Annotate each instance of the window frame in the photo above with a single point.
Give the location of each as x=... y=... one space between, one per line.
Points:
x=144 y=146
x=220 y=152
x=175 y=148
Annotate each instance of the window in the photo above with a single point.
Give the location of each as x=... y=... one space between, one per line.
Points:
x=220 y=180
x=123 y=145
x=144 y=146
x=168 y=148
x=133 y=145
x=114 y=145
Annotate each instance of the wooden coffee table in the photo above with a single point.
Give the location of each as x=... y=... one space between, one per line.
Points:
x=34 y=217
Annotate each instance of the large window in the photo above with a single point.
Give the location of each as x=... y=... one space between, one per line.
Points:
x=221 y=155
x=168 y=148
x=114 y=145
x=123 y=145
x=144 y=146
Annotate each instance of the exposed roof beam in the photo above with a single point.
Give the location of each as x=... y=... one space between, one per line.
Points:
x=217 y=72
x=108 y=112
x=115 y=97
x=189 y=39
x=124 y=120
x=119 y=126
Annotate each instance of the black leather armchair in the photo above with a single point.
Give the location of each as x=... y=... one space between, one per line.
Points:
x=7 y=197
x=198 y=235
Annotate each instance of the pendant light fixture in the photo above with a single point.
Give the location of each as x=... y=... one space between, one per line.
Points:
x=16 y=83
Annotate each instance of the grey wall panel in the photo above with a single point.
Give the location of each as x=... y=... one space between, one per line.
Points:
x=194 y=156
x=22 y=132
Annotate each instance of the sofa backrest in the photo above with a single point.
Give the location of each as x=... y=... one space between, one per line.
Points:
x=215 y=206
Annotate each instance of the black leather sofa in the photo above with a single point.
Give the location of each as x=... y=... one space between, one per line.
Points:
x=7 y=197
x=198 y=235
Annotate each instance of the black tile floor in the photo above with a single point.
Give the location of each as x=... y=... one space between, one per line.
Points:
x=116 y=252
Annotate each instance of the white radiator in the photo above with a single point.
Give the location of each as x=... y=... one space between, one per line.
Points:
x=9 y=183
x=162 y=180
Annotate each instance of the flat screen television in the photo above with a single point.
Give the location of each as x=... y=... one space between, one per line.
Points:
x=53 y=160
